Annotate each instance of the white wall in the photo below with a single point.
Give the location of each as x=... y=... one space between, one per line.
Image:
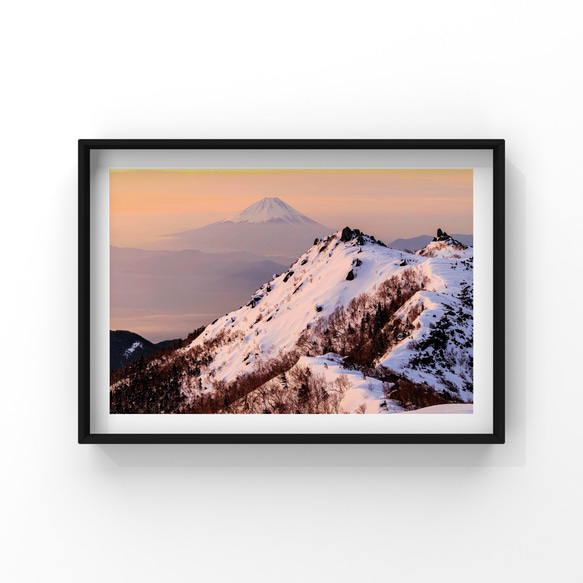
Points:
x=448 y=69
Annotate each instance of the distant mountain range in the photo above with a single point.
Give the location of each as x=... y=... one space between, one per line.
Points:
x=268 y=227
x=416 y=243
x=126 y=347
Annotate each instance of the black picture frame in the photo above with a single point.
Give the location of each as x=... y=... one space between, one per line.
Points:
x=85 y=434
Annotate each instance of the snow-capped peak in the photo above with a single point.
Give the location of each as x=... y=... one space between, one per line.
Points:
x=269 y=209
x=444 y=245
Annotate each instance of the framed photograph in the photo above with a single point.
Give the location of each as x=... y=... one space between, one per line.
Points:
x=291 y=291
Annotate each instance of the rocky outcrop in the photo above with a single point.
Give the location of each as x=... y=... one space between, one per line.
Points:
x=346 y=235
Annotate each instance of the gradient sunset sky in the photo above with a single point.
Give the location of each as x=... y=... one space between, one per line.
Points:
x=145 y=205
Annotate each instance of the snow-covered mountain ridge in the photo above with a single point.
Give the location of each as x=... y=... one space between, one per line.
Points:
x=446 y=246
x=283 y=308
x=403 y=320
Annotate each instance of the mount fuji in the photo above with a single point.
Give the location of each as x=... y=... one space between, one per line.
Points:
x=270 y=209
x=268 y=227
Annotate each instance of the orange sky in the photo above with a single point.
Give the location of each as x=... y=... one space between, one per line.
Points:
x=146 y=204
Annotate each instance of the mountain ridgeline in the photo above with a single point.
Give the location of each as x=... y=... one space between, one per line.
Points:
x=126 y=347
x=416 y=243
x=352 y=326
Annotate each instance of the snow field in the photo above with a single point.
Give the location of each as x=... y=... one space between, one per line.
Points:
x=316 y=284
